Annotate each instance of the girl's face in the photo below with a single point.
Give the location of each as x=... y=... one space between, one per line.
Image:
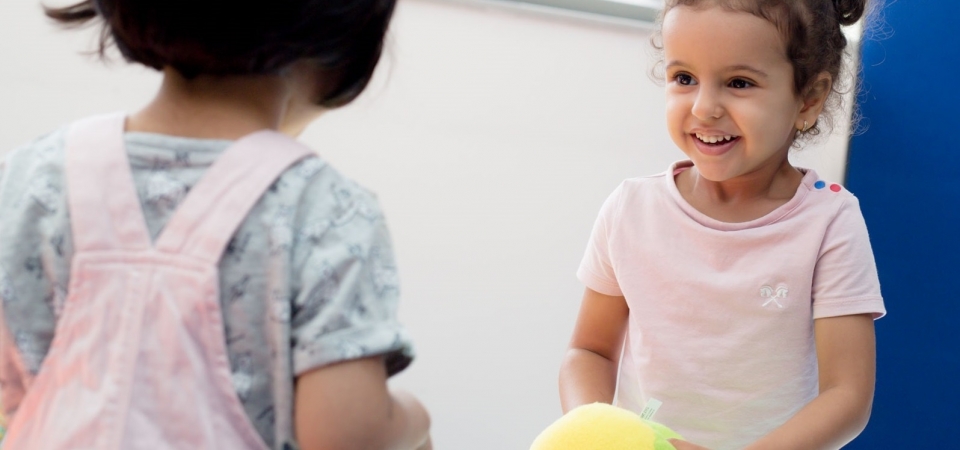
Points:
x=730 y=101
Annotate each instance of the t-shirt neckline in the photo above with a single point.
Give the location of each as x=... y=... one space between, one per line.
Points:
x=806 y=185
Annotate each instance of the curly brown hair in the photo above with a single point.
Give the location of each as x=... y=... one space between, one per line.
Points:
x=220 y=37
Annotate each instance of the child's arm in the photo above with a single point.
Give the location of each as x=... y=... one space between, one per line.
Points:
x=348 y=406
x=589 y=371
x=12 y=388
x=846 y=351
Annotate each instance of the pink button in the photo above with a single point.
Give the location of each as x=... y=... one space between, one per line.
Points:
x=835 y=187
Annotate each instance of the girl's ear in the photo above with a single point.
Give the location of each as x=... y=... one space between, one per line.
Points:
x=813 y=101
x=816 y=96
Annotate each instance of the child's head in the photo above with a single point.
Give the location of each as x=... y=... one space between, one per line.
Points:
x=758 y=72
x=811 y=32
x=343 y=38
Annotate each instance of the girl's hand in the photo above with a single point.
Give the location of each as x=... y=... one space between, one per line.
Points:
x=684 y=445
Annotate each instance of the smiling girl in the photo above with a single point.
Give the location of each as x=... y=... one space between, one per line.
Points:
x=738 y=290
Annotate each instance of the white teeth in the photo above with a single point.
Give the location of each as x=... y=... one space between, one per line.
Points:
x=714 y=139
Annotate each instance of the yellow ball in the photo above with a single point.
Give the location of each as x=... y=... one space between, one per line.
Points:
x=600 y=426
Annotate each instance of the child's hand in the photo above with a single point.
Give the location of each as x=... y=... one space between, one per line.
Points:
x=684 y=445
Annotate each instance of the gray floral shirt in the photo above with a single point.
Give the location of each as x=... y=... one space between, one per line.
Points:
x=307 y=280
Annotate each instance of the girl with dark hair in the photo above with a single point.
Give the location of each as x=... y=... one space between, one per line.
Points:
x=188 y=275
x=735 y=291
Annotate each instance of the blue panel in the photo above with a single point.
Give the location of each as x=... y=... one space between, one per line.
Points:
x=906 y=171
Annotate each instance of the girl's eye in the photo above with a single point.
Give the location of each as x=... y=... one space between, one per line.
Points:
x=740 y=83
x=683 y=79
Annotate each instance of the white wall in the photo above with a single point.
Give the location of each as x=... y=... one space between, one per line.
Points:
x=491 y=136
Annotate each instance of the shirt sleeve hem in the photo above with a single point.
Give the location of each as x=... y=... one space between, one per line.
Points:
x=598 y=283
x=846 y=307
x=356 y=343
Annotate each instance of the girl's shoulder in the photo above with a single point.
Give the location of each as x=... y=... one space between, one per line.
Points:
x=641 y=188
x=658 y=183
x=321 y=192
x=827 y=197
x=654 y=182
x=34 y=170
x=45 y=151
x=321 y=210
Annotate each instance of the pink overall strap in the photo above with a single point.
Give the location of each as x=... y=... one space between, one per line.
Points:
x=206 y=221
x=104 y=207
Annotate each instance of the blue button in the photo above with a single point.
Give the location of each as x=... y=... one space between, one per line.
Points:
x=820 y=185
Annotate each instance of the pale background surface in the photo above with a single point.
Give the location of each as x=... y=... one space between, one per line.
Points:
x=492 y=137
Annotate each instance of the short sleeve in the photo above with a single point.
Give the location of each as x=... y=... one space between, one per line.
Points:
x=347 y=289
x=845 y=280
x=596 y=269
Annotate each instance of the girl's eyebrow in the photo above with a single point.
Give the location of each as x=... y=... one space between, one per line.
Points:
x=738 y=67
x=747 y=68
x=674 y=63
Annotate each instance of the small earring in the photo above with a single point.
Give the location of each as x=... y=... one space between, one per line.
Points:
x=804 y=129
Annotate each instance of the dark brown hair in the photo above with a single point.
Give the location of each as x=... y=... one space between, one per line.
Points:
x=225 y=37
x=811 y=31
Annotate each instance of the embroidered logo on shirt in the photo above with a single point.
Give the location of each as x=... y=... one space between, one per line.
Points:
x=773 y=295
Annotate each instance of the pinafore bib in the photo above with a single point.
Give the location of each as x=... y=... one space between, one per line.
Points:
x=139 y=357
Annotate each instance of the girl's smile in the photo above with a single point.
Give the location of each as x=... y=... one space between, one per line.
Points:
x=714 y=144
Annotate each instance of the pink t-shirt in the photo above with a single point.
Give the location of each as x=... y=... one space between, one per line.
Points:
x=721 y=314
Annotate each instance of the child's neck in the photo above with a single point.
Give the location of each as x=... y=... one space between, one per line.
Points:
x=209 y=107
x=744 y=198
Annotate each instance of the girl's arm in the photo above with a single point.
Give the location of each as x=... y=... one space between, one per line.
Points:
x=589 y=370
x=348 y=406
x=12 y=383
x=846 y=351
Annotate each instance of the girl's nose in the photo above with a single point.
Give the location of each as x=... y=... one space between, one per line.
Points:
x=707 y=105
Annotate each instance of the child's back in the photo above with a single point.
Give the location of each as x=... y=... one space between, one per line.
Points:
x=307 y=287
